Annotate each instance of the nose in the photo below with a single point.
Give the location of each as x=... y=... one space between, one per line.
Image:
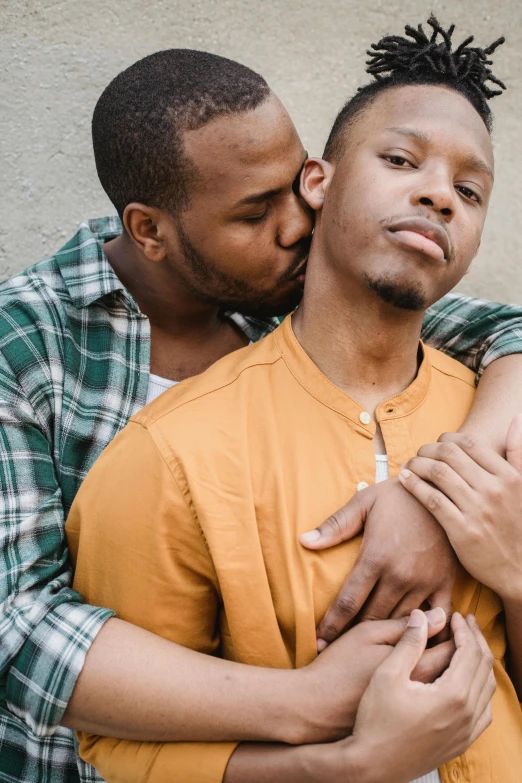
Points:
x=438 y=193
x=296 y=223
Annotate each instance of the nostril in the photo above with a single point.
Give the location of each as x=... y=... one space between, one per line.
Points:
x=426 y=201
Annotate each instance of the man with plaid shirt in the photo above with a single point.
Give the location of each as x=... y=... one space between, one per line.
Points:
x=82 y=332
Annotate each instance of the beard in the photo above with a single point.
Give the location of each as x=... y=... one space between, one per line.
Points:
x=215 y=287
x=404 y=296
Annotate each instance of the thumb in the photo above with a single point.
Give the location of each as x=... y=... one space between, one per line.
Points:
x=408 y=651
x=514 y=443
x=342 y=525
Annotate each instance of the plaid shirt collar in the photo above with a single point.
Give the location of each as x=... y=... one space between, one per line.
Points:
x=83 y=264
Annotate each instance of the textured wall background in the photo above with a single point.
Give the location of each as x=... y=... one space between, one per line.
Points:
x=58 y=55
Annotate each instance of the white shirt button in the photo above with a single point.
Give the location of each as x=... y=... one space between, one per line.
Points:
x=362 y=485
x=365 y=417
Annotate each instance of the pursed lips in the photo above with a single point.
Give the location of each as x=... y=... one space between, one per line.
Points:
x=423 y=235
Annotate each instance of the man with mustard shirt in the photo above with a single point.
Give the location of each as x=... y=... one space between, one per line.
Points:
x=189 y=523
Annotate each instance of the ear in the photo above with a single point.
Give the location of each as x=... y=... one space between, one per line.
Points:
x=315 y=179
x=144 y=225
x=468 y=270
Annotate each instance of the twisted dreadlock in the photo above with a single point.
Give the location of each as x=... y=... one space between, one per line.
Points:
x=418 y=59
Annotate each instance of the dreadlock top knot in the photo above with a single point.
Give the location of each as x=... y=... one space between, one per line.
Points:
x=431 y=58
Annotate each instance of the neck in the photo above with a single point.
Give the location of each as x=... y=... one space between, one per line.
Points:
x=162 y=295
x=365 y=346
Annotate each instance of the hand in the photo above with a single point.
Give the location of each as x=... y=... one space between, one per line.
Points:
x=331 y=687
x=405 y=558
x=477 y=498
x=406 y=728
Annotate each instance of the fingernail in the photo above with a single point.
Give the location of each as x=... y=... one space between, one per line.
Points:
x=436 y=616
x=405 y=474
x=321 y=645
x=416 y=619
x=311 y=537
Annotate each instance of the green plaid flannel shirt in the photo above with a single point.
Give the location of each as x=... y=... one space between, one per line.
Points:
x=74 y=366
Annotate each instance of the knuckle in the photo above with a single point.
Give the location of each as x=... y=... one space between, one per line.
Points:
x=448 y=449
x=346 y=605
x=371 y=563
x=495 y=494
x=439 y=470
x=460 y=699
x=433 y=501
x=329 y=630
x=334 y=524
x=467 y=441
x=399 y=580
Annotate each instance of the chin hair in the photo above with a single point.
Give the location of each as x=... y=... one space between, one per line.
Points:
x=400 y=295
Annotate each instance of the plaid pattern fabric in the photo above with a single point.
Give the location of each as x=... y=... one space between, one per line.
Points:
x=74 y=366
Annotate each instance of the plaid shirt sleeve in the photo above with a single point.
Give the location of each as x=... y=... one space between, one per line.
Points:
x=45 y=630
x=473 y=331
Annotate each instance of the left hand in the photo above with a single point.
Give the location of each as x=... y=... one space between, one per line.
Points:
x=476 y=496
x=405 y=559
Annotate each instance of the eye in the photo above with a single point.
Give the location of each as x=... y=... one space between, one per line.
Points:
x=256 y=218
x=398 y=160
x=469 y=194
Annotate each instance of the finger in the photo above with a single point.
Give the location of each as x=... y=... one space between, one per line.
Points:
x=482 y=724
x=464 y=665
x=408 y=651
x=445 y=512
x=412 y=600
x=486 y=694
x=348 y=602
x=434 y=662
x=343 y=525
x=444 y=599
x=456 y=458
x=480 y=452
x=514 y=443
x=484 y=671
x=445 y=479
x=382 y=602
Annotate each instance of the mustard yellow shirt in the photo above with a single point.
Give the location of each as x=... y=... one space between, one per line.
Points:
x=188 y=526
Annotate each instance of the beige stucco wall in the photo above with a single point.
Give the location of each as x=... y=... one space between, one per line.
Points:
x=58 y=55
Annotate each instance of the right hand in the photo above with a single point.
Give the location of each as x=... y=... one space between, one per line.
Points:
x=333 y=685
x=405 y=729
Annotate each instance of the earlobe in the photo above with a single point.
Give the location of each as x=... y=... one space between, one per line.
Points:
x=141 y=225
x=315 y=178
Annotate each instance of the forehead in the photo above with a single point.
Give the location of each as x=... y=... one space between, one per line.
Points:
x=256 y=150
x=443 y=115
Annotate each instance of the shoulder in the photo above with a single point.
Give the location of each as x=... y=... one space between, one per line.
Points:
x=233 y=379
x=449 y=369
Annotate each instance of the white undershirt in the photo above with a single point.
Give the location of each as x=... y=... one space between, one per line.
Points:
x=157 y=385
x=381 y=474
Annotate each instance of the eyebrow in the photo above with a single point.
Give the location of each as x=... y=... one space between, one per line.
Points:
x=257 y=198
x=473 y=161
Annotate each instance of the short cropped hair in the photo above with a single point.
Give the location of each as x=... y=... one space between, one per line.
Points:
x=140 y=118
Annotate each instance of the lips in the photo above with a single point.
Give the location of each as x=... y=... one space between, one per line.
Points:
x=422 y=235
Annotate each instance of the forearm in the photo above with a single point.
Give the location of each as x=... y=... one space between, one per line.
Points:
x=497 y=401
x=254 y=763
x=165 y=692
x=513 y=610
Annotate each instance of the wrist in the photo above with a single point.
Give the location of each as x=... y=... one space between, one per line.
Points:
x=318 y=713
x=344 y=761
